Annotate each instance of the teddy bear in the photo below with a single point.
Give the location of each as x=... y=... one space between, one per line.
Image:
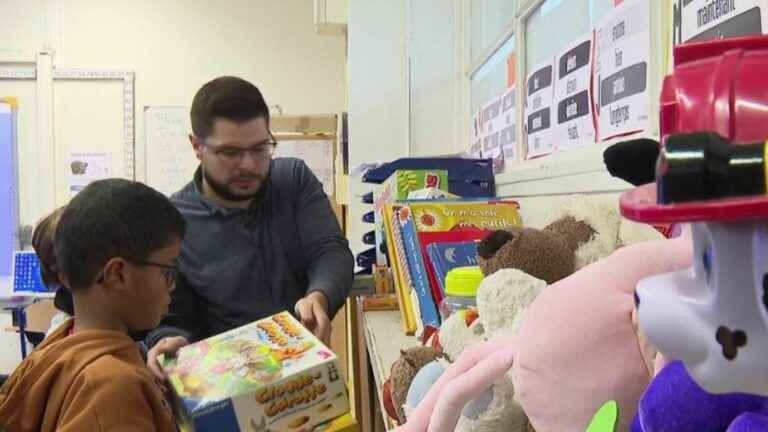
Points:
x=411 y=361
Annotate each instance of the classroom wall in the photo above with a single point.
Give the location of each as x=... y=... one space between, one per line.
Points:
x=378 y=96
x=434 y=79
x=174 y=46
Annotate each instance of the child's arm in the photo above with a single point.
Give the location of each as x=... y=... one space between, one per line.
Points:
x=121 y=400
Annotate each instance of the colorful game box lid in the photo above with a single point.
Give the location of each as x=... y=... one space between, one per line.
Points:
x=272 y=374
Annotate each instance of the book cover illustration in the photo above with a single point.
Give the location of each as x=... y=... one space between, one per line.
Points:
x=445 y=257
x=456 y=215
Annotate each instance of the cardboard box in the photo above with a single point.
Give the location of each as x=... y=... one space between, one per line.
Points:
x=397 y=187
x=318 y=123
x=268 y=375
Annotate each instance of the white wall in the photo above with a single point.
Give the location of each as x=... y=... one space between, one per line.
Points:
x=173 y=46
x=435 y=77
x=378 y=104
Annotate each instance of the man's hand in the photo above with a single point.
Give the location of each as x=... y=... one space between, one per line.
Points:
x=313 y=312
x=169 y=346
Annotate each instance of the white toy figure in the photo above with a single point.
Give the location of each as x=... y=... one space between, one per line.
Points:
x=713 y=316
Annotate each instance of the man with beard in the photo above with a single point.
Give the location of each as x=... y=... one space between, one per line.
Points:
x=262 y=236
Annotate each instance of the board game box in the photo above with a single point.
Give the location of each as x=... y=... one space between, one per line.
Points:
x=270 y=375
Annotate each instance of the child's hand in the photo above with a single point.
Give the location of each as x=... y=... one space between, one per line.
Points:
x=166 y=346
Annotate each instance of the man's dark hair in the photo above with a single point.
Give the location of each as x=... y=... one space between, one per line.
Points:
x=226 y=97
x=113 y=218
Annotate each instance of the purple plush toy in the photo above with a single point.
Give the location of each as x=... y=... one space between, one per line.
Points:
x=674 y=402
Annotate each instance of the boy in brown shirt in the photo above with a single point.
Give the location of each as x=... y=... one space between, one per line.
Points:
x=116 y=246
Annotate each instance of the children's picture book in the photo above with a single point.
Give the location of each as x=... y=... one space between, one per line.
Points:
x=400 y=272
x=434 y=216
x=418 y=270
x=428 y=238
x=445 y=257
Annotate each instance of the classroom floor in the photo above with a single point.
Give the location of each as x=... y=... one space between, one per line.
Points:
x=10 y=355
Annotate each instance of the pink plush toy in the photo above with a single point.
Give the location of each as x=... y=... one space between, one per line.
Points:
x=577 y=347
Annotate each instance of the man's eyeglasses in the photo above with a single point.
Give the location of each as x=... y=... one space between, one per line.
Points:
x=233 y=155
x=171 y=273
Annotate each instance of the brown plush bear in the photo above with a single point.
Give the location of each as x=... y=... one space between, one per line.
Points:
x=546 y=254
x=401 y=375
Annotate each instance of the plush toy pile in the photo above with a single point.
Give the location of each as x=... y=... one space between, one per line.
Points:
x=501 y=382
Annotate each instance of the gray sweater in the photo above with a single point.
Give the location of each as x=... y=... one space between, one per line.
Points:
x=239 y=265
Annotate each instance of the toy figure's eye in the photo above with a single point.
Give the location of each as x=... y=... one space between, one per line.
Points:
x=706 y=260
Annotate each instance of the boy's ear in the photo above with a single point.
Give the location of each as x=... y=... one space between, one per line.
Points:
x=114 y=273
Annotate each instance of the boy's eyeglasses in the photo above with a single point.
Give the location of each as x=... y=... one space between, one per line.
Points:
x=171 y=273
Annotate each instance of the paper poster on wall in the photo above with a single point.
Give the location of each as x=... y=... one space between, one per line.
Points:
x=85 y=168
x=492 y=123
x=317 y=154
x=699 y=20
x=170 y=160
x=476 y=145
x=490 y=116
x=508 y=139
x=538 y=111
x=622 y=58
x=573 y=106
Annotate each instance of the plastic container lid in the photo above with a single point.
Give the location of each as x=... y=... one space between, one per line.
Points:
x=463 y=281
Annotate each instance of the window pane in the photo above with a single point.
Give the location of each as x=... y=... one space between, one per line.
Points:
x=489 y=20
x=598 y=9
x=493 y=77
x=556 y=23
x=551 y=27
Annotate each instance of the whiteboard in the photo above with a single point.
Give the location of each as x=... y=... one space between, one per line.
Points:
x=170 y=160
x=317 y=154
